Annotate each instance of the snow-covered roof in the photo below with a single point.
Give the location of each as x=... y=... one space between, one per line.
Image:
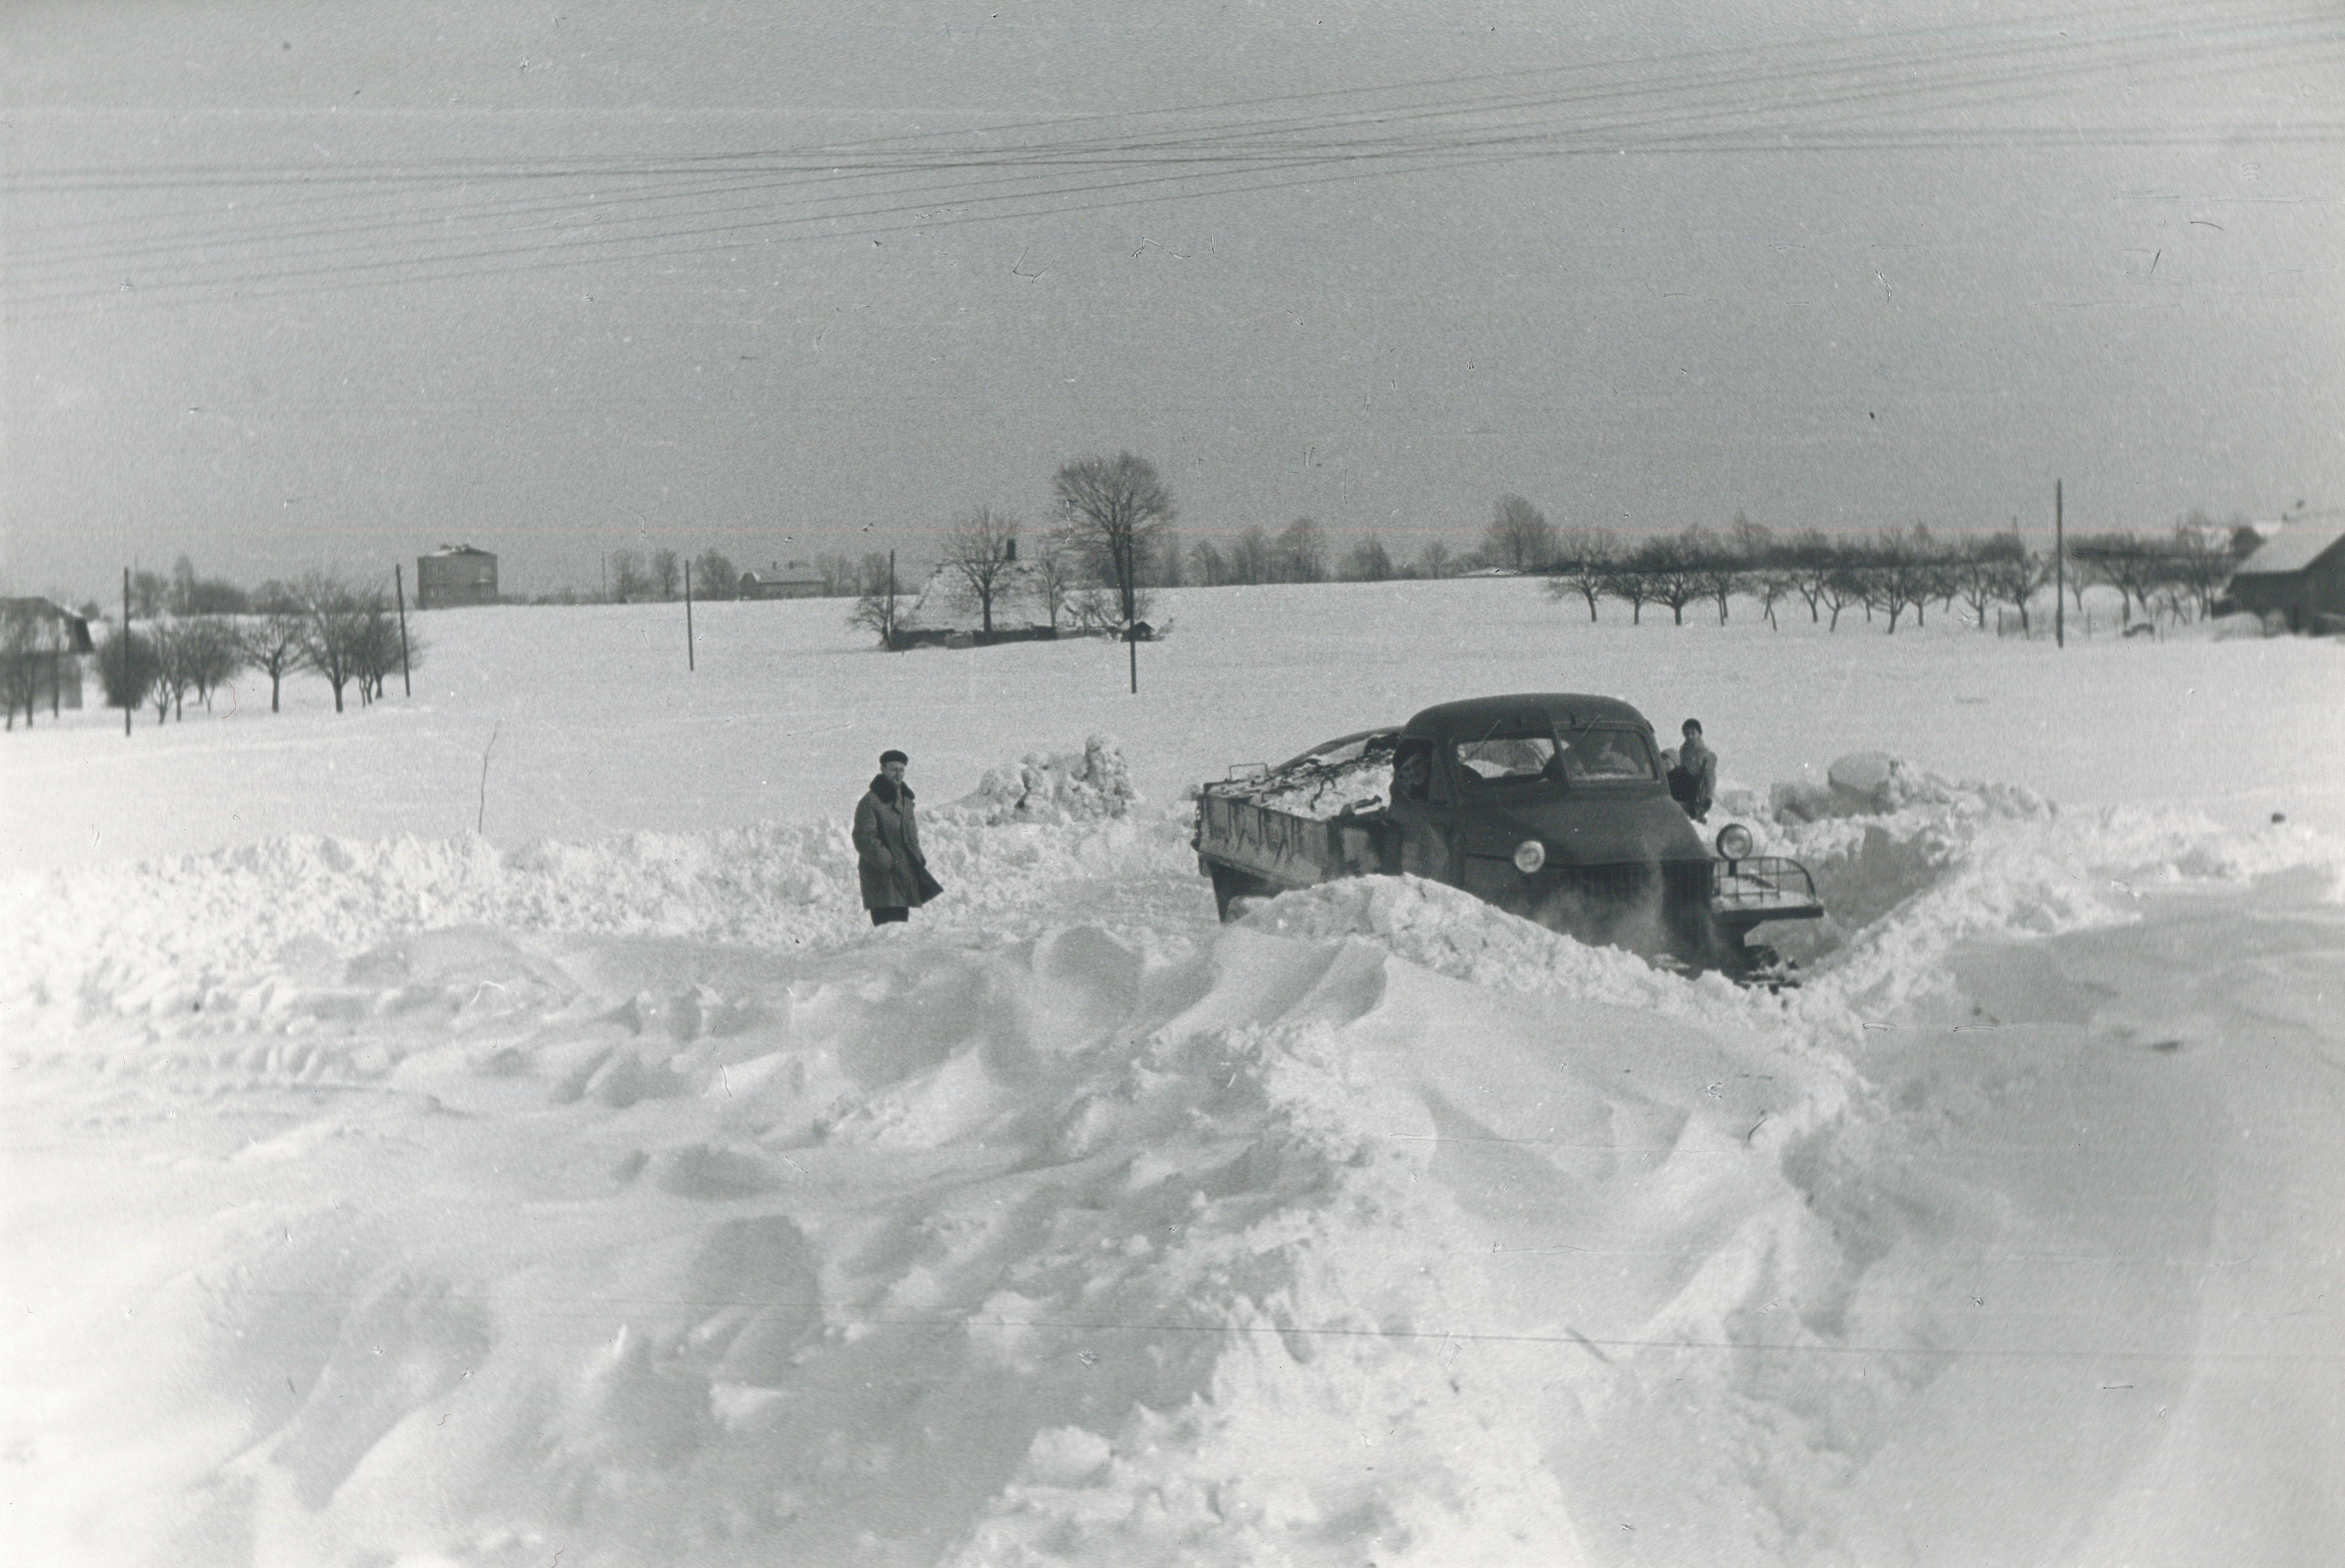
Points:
x=457 y=550
x=795 y=572
x=75 y=628
x=2291 y=550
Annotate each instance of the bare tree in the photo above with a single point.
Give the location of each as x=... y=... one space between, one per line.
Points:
x=1301 y=552
x=628 y=580
x=1673 y=575
x=1206 y=565
x=1719 y=566
x=1520 y=536
x=980 y=550
x=839 y=574
x=1584 y=557
x=335 y=628
x=1253 y=558
x=1161 y=569
x=273 y=639
x=715 y=577
x=126 y=668
x=881 y=606
x=23 y=646
x=1627 y=579
x=1436 y=559
x=1368 y=562
x=1116 y=507
x=378 y=650
x=211 y=654
x=168 y=690
x=666 y=570
x=150 y=595
x=1056 y=562
x=2201 y=561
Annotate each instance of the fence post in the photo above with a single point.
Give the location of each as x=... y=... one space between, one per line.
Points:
x=689 y=662
x=126 y=651
x=2059 y=571
x=399 y=587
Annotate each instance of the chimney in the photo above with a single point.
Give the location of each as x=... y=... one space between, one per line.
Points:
x=1012 y=553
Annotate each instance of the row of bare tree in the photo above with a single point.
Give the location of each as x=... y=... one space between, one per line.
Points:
x=1889 y=573
x=320 y=624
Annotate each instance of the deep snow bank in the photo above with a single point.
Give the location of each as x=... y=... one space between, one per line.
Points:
x=414 y=1204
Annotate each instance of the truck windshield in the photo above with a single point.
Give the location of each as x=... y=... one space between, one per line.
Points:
x=1606 y=756
x=1507 y=755
x=1594 y=754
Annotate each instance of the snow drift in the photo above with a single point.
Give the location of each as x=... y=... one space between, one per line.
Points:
x=634 y=1202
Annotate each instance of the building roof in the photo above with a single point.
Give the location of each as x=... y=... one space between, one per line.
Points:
x=458 y=550
x=73 y=629
x=2291 y=550
x=795 y=572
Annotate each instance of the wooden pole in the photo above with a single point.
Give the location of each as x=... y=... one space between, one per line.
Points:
x=2059 y=571
x=399 y=587
x=125 y=652
x=689 y=662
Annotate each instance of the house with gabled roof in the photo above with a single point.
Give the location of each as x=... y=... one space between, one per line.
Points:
x=2300 y=574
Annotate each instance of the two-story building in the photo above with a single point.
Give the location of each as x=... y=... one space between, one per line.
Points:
x=455 y=575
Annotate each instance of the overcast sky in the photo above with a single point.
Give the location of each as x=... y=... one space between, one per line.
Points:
x=310 y=285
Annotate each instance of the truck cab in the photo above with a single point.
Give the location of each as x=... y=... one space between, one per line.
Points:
x=1552 y=806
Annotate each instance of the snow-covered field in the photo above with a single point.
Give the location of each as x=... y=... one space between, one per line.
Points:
x=601 y=1189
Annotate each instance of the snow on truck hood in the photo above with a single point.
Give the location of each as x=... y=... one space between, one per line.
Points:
x=634 y=1202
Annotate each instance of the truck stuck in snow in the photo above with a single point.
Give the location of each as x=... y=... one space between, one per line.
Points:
x=1552 y=806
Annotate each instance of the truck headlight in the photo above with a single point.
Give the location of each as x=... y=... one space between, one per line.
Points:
x=1529 y=856
x=1733 y=842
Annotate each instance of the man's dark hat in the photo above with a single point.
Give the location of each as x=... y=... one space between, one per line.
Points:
x=887 y=757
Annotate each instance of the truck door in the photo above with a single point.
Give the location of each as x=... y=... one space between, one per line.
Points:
x=1424 y=810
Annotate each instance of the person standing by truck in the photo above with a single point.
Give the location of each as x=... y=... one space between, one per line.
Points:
x=1693 y=779
x=888 y=861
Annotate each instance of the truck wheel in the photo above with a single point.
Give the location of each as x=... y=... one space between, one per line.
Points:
x=1230 y=886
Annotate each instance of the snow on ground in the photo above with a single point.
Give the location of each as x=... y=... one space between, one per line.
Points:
x=604 y=1189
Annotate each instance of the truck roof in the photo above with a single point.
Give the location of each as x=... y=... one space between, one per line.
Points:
x=1564 y=710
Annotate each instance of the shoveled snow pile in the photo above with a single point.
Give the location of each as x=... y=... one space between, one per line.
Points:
x=1070 y=787
x=634 y=1203
x=182 y=934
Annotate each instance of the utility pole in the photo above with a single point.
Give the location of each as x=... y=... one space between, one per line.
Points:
x=2059 y=572
x=399 y=587
x=689 y=663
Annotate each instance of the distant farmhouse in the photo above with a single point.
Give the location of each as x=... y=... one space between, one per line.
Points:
x=42 y=645
x=795 y=581
x=2300 y=574
x=455 y=575
x=948 y=611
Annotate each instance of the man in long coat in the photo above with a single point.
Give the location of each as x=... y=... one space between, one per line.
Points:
x=894 y=872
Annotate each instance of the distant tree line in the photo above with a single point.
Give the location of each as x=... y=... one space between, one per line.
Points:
x=1890 y=574
x=188 y=638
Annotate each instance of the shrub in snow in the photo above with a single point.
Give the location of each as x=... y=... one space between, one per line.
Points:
x=1072 y=786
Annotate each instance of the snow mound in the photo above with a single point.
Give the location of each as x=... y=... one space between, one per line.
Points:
x=166 y=938
x=1868 y=783
x=1089 y=785
x=1454 y=934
